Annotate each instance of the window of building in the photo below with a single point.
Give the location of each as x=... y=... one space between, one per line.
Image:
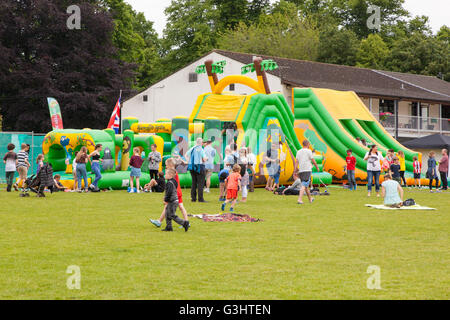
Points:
x=193 y=77
x=414 y=108
x=145 y=98
x=387 y=106
x=232 y=87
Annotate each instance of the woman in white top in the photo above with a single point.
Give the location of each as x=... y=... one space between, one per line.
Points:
x=373 y=158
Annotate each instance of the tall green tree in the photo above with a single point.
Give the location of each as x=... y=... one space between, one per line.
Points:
x=338 y=46
x=280 y=33
x=372 y=53
x=136 y=40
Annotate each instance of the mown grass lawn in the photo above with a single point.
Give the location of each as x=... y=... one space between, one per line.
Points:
x=318 y=251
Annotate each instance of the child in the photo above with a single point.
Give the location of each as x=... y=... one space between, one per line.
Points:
x=39 y=162
x=351 y=165
x=135 y=164
x=157 y=185
x=170 y=164
x=10 y=160
x=233 y=185
x=417 y=171
x=171 y=202
x=154 y=159
x=395 y=170
x=223 y=175
x=401 y=157
x=22 y=163
x=57 y=185
x=74 y=171
x=432 y=171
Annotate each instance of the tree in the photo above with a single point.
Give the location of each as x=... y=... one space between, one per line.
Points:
x=372 y=53
x=338 y=46
x=136 y=40
x=280 y=33
x=42 y=58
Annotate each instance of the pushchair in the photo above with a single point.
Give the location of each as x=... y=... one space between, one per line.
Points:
x=38 y=183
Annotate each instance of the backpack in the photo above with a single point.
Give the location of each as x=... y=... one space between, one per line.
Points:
x=409 y=202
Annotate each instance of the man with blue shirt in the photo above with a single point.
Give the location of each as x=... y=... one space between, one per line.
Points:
x=196 y=159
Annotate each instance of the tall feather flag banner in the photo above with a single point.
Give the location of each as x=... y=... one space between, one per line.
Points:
x=114 y=121
x=55 y=114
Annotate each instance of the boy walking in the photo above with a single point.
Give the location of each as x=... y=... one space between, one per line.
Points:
x=351 y=165
x=22 y=164
x=233 y=185
x=10 y=160
x=171 y=202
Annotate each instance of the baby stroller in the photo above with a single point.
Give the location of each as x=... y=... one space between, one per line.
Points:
x=37 y=184
x=29 y=185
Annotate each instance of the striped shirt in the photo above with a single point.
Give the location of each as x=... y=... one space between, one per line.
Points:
x=21 y=157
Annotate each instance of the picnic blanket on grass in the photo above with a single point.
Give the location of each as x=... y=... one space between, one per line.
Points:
x=226 y=217
x=414 y=207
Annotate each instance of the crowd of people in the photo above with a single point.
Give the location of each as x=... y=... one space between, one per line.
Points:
x=237 y=176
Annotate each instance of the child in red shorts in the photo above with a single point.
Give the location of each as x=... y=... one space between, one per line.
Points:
x=233 y=185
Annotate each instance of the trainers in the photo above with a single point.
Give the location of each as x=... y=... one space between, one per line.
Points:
x=231 y=209
x=156 y=223
x=186 y=226
x=223 y=206
x=167 y=229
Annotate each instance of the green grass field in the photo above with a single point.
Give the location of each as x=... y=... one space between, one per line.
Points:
x=318 y=251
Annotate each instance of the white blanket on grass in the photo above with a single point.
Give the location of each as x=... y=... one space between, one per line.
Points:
x=414 y=207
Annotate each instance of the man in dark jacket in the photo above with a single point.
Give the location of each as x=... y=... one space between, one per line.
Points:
x=171 y=200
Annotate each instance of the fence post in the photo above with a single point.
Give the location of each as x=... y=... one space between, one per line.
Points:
x=32 y=152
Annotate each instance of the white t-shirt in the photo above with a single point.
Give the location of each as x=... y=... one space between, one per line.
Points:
x=304 y=157
x=252 y=159
x=373 y=162
x=74 y=165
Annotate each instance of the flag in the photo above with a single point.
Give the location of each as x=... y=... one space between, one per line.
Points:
x=55 y=114
x=114 y=121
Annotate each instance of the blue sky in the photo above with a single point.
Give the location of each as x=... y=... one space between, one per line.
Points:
x=436 y=10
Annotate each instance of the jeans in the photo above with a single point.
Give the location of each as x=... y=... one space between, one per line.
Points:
x=9 y=180
x=82 y=173
x=370 y=176
x=444 y=180
x=170 y=215
x=351 y=179
x=96 y=171
x=198 y=181
x=402 y=176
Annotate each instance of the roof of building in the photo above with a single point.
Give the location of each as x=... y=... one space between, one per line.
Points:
x=365 y=82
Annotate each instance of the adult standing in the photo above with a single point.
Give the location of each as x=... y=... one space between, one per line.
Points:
x=210 y=153
x=196 y=159
x=443 y=169
x=373 y=158
x=432 y=171
x=303 y=165
x=94 y=157
x=81 y=160
x=154 y=159
x=243 y=162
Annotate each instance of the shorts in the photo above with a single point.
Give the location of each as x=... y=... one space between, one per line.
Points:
x=180 y=196
x=398 y=179
x=305 y=178
x=276 y=177
x=231 y=194
x=135 y=172
x=208 y=174
x=416 y=175
x=22 y=170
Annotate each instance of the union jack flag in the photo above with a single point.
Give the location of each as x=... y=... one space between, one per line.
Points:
x=114 y=121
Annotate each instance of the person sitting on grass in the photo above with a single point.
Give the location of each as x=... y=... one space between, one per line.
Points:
x=135 y=164
x=157 y=185
x=293 y=189
x=233 y=185
x=57 y=185
x=171 y=202
x=170 y=164
x=392 y=192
